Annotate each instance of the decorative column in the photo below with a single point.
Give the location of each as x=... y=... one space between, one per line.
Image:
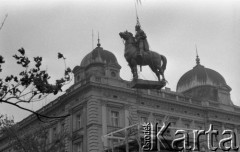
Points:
x=93 y=136
x=104 y=124
x=68 y=127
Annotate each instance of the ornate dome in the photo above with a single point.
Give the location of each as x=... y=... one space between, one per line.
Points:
x=200 y=76
x=98 y=62
x=98 y=55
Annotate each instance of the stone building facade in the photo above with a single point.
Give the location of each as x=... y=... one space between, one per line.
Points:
x=100 y=102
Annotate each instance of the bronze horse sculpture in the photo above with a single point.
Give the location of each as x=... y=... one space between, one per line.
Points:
x=155 y=61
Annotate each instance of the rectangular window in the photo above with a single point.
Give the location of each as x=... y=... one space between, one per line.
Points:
x=78 y=147
x=62 y=127
x=48 y=137
x=115 y=118
x=54 y=133
x=78 y=121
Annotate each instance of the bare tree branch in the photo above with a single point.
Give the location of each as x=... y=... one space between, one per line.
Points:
x=39 y=116
x=31 y=84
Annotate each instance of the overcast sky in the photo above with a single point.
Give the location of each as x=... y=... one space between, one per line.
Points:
x=173 y=27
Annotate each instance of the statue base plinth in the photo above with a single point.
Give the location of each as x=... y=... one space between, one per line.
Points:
x=147 y=84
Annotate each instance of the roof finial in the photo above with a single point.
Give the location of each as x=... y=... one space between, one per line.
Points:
x=98 y=41
x=197 y=59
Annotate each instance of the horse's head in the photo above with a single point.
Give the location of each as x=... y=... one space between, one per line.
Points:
x=126 y=35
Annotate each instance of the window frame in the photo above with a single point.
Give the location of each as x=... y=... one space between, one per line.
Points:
x=77 y=119
x=78 y=143
x=115 y=120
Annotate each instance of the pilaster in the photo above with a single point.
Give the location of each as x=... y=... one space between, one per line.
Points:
x=104 y=124
x=92 y=127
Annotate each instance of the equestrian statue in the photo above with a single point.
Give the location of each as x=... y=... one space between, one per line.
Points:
x=137 y=52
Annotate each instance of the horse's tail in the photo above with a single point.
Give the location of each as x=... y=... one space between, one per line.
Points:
x=164 y=59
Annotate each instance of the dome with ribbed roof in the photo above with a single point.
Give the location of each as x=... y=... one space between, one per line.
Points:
x=99 y=55
x=98 y=62
x=200 y=76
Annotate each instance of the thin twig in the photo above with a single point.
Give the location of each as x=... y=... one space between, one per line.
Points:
x=39 y=116
x=3 y=21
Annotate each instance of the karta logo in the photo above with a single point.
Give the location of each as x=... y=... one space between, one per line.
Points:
x=153 y=135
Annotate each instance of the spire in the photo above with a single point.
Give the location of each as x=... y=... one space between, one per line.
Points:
x=98 y=41
x=197 y=58
x=138 y=23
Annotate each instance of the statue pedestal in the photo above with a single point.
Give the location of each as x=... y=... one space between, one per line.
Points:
x=147 y=84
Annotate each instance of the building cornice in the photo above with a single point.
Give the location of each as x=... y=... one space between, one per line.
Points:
x=88 y=84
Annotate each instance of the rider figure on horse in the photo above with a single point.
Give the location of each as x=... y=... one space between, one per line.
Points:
x=141 y=40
